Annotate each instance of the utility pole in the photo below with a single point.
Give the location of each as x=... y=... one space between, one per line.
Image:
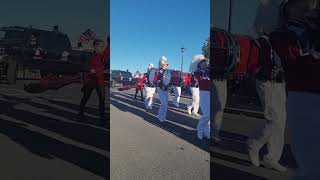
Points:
x=230 y=15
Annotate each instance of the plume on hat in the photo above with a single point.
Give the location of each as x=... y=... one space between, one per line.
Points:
x=163 y=60
x=195 y=61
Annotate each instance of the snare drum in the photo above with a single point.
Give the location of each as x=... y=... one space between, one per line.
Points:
x=172 y=78
x=177 y=78
x=166 y=77
x=152 y=77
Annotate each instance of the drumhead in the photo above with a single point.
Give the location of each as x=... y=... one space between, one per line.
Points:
x=166 y=77
x=152 y=74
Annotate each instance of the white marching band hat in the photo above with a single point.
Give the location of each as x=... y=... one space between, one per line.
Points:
x=163 y=60
x=195 y=61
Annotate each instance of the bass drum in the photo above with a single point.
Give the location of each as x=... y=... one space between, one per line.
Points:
x=177 y=78
x=152 y=76
x=166 y=77
x=226 y=51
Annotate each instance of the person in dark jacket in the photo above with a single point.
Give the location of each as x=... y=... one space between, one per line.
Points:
x=94 y=79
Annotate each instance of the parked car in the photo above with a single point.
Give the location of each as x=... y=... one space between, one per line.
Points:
x=121 y=77
x=37 y=49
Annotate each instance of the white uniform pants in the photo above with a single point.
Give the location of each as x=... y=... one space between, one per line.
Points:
x=163 y=97
x=177 y=94
x=219 y=98
x=195 y=100
x=204 y=122
x=304 y=128
x=149 y=96
x=273 y=99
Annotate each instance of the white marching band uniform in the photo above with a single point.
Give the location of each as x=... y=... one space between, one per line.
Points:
x=219 y=99
x=203 y=127
x=177 y=94
x=193 y=107
x=163 y=92
x=272 y=96
x=202 y=75
x=150 y=90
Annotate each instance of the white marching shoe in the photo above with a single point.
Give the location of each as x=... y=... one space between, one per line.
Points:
x=200 y=135
x=274 y=165
x=196 y=114
x=254 y=157
x=161 y=120
x=189 y=110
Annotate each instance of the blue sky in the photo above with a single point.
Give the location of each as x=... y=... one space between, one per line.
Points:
x=142 y=31
x=74 y=17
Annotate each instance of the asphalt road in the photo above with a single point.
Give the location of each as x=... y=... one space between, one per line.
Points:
x=142 y=148
x=41 y=137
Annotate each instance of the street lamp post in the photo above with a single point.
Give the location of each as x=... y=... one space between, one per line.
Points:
x=230 y=15
x=182 y=51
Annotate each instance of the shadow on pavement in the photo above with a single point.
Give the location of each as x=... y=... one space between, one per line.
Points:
x=171 y=113
x=50 y=148
x=156 y=103
x=220 y=172
x=47 y=147
x=237 y=143
x=183 y=133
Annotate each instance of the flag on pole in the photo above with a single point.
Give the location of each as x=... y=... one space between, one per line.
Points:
x=88 y=35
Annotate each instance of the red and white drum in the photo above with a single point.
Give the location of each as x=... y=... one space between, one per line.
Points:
x=233 y=54
x=190 y=80
x=168 y=77
x=172 y=78
x=225 y=51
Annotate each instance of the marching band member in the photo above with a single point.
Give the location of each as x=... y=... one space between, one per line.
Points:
x=192 y=81
x=177 y=92
x=271 y=90
x=162 y=90
x=258 y=59
x=205 y=86
x=139 y=87
x=273 y=95
x=303 y=90
x=149 y=88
